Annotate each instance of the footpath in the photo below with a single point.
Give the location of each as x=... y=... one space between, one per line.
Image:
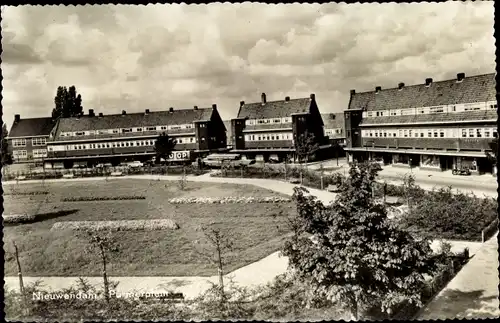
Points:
x=252 y=275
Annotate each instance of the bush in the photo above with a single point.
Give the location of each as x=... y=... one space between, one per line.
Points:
x=120 y=225
x=227 y=200
x=442 y=214
x=18 y=218
x=27 y=193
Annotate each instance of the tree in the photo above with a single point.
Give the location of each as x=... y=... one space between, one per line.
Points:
x=67 y=103
x=6 y=157
x=493 y=155
x=306 y=146
x=350 y=252
x=164 y=146
x=103 y=244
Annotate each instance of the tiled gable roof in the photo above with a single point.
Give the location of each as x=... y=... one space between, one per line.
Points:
x=333 y=120
x=116 y=121
x=479 y=88
x=274 y=109
x=31 y=127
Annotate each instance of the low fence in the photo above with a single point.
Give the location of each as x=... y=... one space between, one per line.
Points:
x=489 y=231
x=103 y=172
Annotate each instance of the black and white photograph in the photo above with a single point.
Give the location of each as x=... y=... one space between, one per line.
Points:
x=249 y=161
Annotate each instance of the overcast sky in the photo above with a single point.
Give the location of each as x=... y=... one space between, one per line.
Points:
x=157 y=56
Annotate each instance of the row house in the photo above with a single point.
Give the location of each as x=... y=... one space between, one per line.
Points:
x=435 y=125
x=27 y=139
x=272 y=129
x=90 y=139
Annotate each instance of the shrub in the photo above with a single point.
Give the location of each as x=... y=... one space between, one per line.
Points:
x=121 y=225
x=442 y=214
x=18 y=218
x=27 y=193
x=102 y=198
x=227 y=200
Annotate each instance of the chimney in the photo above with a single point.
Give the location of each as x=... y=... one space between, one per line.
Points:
x=146 y=112
x=401 y=86
x=196 y=107
x=460 y=77
x=353 y=92
x=378 y=89
x=124 y=112
x=214 y=106
x=428 y=82
x=17 y=118
x=313 y=96
x=287 y=98
x=91 y=113
x=171 y=110
x=100 y=114
x=242 y=103
x=263 y=97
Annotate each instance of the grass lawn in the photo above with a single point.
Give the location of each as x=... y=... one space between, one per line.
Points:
x=258 y=229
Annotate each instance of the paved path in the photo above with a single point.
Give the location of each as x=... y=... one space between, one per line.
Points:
x=473 y=292
x=257 y=273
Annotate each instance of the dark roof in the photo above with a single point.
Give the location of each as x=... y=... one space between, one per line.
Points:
x=274 y=109
x=116 y=121
x=479 y=88
x=436 y=117
x=31 y=127
x=333 y=120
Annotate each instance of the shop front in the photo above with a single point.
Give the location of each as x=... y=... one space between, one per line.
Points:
x=430 y=162
x=401 y=160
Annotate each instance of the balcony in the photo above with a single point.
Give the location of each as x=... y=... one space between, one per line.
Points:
x=146 y=134
x=269 y=144
x=478 y=144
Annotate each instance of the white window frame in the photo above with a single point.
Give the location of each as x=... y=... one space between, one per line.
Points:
x=19 y=142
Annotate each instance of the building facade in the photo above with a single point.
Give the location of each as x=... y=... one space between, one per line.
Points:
x=91 y=139
x=435 y=125
x=271 y=130
x=334 y=125
x=27 y=140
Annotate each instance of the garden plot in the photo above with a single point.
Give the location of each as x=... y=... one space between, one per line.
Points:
x=258 y=228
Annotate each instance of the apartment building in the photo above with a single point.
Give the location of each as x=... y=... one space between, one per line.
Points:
x=27 y=140
x=270 y=129
x=435 y=125
x=90 y=139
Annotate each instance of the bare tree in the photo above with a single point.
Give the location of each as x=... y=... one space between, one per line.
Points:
x=103 y=244
x=220 y=243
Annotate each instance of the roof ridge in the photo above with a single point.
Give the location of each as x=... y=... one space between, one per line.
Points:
x=284 y=100
x=423 y=84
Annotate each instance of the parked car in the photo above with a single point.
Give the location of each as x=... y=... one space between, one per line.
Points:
x=461 y=171
x=135 y=164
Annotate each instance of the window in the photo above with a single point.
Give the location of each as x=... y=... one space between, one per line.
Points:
x=385 y=133
x=38 y=141
x=115 y=131
x=421 y=135
x=381 y=113
x=471 y=107
x=436 y=110
x=441 y=133
x=421 y=110
x=19 y=154
x=479 y=133
x=435 y=133
x=454 y=108
x=464 y=133
x=493 y=106
x=378 y=113
x=406 y=133
x=80 y=133
x=416 y=134
x=139 y=129
x=487 y=132
x=393 y=112
x=369 y=114
x=429 y=133
x=258 y=138
x=471 y=133
x=277 y=120
x=400 y=133
x=494 y=133
x=19 y=143
x=376 y=134
x=39 y=153
x=150 y=128
x=180 y=140
x=165 y=127
x=409 y=133
x=126 y=130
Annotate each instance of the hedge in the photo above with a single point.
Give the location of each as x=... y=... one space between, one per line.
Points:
x=27 y=193
x=18 y=218
x=119 y=225
x=102 y=198
x=228 y=200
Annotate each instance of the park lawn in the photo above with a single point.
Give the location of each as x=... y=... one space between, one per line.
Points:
x=257 y=229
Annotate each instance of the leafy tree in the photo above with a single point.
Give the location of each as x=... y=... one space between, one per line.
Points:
x=306 y=146
x=349 y=252
x=6 y=157
x=493 y=155
x=67 y=103
x=164 y=146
